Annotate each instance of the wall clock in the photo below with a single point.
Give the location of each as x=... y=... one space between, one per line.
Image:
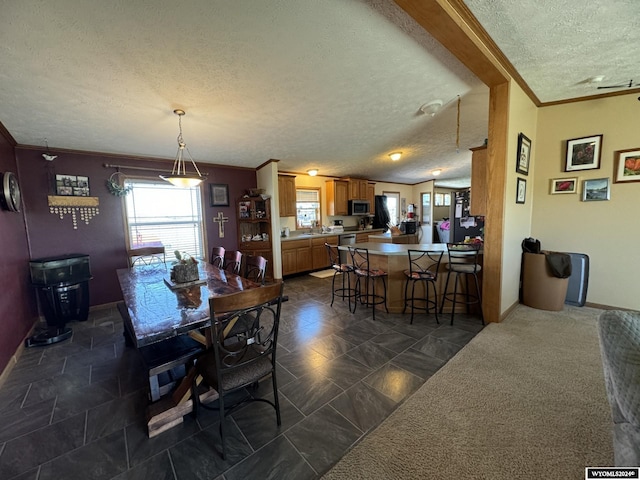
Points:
x=10 y=192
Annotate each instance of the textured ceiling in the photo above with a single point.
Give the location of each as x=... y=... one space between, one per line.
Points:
x=557 y=46
x=335 y=85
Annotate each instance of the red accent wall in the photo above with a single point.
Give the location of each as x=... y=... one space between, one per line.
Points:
x=18 y=308
x=35 y=232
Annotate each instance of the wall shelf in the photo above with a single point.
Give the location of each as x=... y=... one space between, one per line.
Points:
x=85 y=207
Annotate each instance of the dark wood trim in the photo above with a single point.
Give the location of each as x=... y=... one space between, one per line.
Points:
x=5 y=133
x=592 y=97
x=271 y=160
x=122 y=156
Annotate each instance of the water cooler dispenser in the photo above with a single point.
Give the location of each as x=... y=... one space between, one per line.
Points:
x=62 y=285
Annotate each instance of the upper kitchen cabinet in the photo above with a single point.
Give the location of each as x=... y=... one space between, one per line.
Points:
x=357 y=189
x=478 y=204
x=337 y=197
x=371 y=196
x=287 y=194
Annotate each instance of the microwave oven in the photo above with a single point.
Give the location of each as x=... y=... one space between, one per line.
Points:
x=358 y=207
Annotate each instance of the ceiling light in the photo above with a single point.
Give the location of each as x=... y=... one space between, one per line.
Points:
x=313 y=172
x=179 y=176
x=431 y=108
x=395 y=156
x=596 y=79
x=437 y=172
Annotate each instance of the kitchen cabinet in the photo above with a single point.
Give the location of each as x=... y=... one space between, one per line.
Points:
x=357 y=189
x=478 y=201
x=371 y=194
x=287 y=195
x=254 y=229
x=296 y=256
x=337 y=197
x=319 y=251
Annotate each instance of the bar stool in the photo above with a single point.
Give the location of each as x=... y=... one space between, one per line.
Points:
x=463 y=261
x=423 y=268
x=343 y=269
x=360 y=258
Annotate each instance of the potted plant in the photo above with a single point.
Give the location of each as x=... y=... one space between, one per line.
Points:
x=185 y=268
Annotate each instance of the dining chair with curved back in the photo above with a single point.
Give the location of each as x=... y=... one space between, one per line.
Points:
x=463 y=263
x=366 y=294
x=423 y=268
x=217 y=257
x=238 y=362
x=343 y=269
x=232 y=261
x=255 y=268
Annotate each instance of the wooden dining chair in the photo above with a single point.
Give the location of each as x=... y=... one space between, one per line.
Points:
x=255 y=268
x=217 y=257
x=232 y=261
x=237 y=362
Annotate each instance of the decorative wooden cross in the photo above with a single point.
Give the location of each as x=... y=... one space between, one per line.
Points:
x=220 y=220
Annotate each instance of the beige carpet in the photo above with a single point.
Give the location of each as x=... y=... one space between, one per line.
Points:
x=524 y=399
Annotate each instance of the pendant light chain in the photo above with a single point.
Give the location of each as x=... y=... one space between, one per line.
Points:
x=179 y=174
x=458 y=128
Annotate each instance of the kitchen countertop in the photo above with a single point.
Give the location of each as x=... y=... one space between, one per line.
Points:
x=391 y=249
x=305 y=236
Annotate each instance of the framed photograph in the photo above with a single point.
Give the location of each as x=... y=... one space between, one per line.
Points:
x=627 y=166
x=564 y=185
x=219 y=194
x=82 y=187
x=65 y=184
x=521 y=190
x=524 y=154
x=583 y=153
x=595 y=189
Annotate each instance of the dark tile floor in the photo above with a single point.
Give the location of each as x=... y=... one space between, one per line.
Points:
x=77 y=409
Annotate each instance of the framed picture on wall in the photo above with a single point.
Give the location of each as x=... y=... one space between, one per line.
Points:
x=65 y=184
x=583 y=153
x=219 y=194
x=596 y=189
x=521 y=190
x=627 y=166
x=564 y=185
x=524 y=154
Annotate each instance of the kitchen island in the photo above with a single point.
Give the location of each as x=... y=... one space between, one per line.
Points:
x=393 y=259
x=410 y=238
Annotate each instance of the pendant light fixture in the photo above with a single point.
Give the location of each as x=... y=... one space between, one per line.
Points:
x=179 y=176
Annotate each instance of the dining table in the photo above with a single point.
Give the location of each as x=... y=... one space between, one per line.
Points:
x=156 y=310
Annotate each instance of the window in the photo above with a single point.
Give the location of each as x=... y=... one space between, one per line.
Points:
x=426 y=209
x=308 y=208
x=443 y=199
x=393 y=205
x=158 y=211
